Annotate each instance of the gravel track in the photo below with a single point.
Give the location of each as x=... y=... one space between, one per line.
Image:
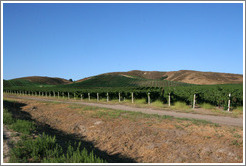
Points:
x=215 y=119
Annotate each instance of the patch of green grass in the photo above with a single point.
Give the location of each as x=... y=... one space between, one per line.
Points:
x=180 y=105
x=140 y=101
x=237 y=136
x=45 y=149
x=236 y=143
x=207 y=106
x=74 y=106
x=179 y=127
x=239 y=108
x=7 y=117
x=23 y=126
x=199 y=122
x=157 y=103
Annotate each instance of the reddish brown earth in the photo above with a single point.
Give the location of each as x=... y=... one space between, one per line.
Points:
x=147 y=139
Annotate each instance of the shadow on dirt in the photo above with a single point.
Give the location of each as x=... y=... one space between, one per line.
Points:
x=63 y=138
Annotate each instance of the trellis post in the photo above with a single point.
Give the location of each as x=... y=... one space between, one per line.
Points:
x=132 y=97
x=148 y=98
x=97 y=96
x=119 y=96
x=229 y=102
x=89 y=97
x=169 y=100
x=107 y=96
x=194 y=101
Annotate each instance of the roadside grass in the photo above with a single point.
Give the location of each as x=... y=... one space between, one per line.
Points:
x=180 y=106
x=158 y=103
x=207 y=106
x=107 y=113
x=44 y=148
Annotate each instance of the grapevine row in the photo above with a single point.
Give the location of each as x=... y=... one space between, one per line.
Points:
x=216 y=95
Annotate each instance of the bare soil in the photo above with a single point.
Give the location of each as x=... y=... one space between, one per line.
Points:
x=139 y=138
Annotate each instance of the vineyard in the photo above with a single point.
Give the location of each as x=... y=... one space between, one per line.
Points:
x=217 y=95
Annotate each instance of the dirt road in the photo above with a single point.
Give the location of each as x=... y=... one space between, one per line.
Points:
x=215 y=119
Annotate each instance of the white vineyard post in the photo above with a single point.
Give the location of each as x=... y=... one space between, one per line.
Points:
x=119 y=96
x=194 y=101
x=132 y=97
x=74 y=96
x=54 y=93
x=81 y=97
x=148 y=98
x=229 y=102
x=107 y=96
x=97 y=97
x=68 y=95
x=169 y=100
x=89 y=97
x=42 y=93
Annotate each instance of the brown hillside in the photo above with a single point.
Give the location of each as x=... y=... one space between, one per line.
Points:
x=204 y=78
x=186 y=76
x=45 y=80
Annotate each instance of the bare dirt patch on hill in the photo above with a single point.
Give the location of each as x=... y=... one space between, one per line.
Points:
x=141 y=137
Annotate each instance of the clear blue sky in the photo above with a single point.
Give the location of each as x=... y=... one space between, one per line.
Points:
x=81 y=40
